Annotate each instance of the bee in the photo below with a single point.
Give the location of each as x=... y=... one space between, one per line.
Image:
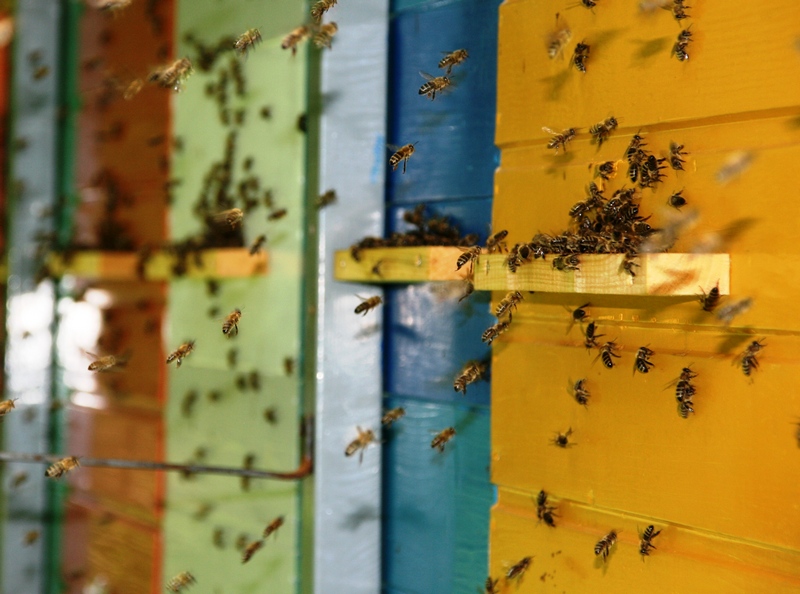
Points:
x=684 y=390
x=172 y=76
x=433 y=85
x=251 y=550
x=241 y=542
x=607 y=351
x=325 y=35
x=218 y=538
x=393 y=415
x=265 y=112
x=560 y=139
x=543 y=511
x=558 y=38
x=679 y=10
x=634 y=147
x=360 y=443
x=180 y=582
x=562 y=439
x=508 y=303
x=454 y=58
x=6 y=406
x=255 y=380
x=401 y=154
x=646 y=540
x=272 y=527
x=368 y=304
x=320 y=8
x=271 y=415
x=496 y=242
x=682 y=42
x=710 y=300
x=606 y=170
x=580 y=392
x=277 y=214
x=442 y=438
x=470 y=288
x=590 y=336
x=258 y=244
x=676 y=200
x=230 y=327
x=685 y=407
x=469 y=256
x=297 y=36
x=566 y=263
x=19 y=479
x=61 y=467
x=490 y=587
x=602 y=130
x=105 y=363
x=676 y=153
x=603 y=546
x=232 y=217
x=329 y=197
x=30 y=538
x=579 y=314
x=730 y=311
x=628 y=263
x=472 y=372
x=492 y=332
x=132 y=89
x=580 y=55
x=111 y=6
x=748 y=358
x=247 y=41
x=288 y=365
x=517 y=570
x=588 y=3
x=181 y=353
x=643 y=364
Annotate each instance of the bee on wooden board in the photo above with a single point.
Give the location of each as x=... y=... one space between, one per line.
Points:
x=392 y=416
x=558 y=38
x=490 y=587
x=560 y=139
x=603 y=546
x=580 y=393
x=580 y=55
x=496 y=242
x=472 y=372
x=646 y=540
x=360 y=443
x=607 y=351
x=508 y=303
x=492 y=332
x=272 y=527
x=325 y=35
x=453 y=58
x=180 y=582
x=676 y=154
x=516 y=571
x=561 y=440
x=643 y=363
x=469 y=256
x=368 y=304
x=61 y=467
x=181 y=353
x=230 y=327
x=247 y=41
x=251 y=550
x=325 y=199
x=566 y=263
x=730 y=311
x=297 y=36
x=6 y=406
x=258 y=244
x=591 y=336
x=579 y=314
x=403 y=154
x=232 y=217
x=748 y=359
x=441 y=438
x=320 y=8
x=602 y=130
x=433 y=85
x=172 y=76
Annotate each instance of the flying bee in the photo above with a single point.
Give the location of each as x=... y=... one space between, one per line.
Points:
x=558 y=38
x=297 y=36
x=19 y=479
x=607 y=170
x=560 y=139
x=603 y=546
x=646 y=540
x=580 y=392
x=710 y=300
x=602 y=130
x=258 y=244
x=433 y=85
x=492 y=332
x=247 y=41
x=403 y=154
x=277 y=214
x=508 y=303
x=230 y=327
x=368 y=304
x=676 y=153
x=329 y=197
x=180 y=582
x=469 y=256
x=730 y=311
x=516 y=571
x=580 y=55
x=61 y=467
x=111 y=6
x=643 y=364
x=676 y=200
x=181 y=353
x=588 y=3
x=172 y=76
x=325 y=35
x=271 y=415
x=272 y=527
x=320 y=8
x=360 y=443
x=496 y=242
x=607 y=351
x=561 y=440
x=454 y=58
x=490 y=587
x=441 y=438
x=30 y=538
x=251 y=550
x=470 y=288
x=590 y=336
x=6 y=406
x=106 y=363
x=748 y=358
x=472 y=372
x=132 y=89
x=392 y=416
x=232 y=217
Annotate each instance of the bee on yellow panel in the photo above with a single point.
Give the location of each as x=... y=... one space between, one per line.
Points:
x=296 y=37
x=453 y=58
x=320 y=8
x=558 y=38
x=676 y=200
x=545 y=512
x=61 y=467
x=402 y=153
x=602 y=130
x=490 y=587
x=180 y=582
x=580 y=55
x=679 y=49
x=676 y=154
x=646 y=540
x=251 y=550
x=181 y=353
x=580 y=393
x=272 y=527
x=561 y=440
x=360 y=443
x=172 y=76
x=6 y=406
x=643 y=363
x=748 y=359
x=560 y=139
x=607 y=170
x=442 y=438
x=368 y=304
x=607 y=351
x=247 y=41
x=603 y=546
x=679 y=10
x=433 y=85
x=392 y=416
x=590 y=336
x=516 y=571
x=325 y=35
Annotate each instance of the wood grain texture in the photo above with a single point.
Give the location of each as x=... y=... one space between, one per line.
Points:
x=399 y=265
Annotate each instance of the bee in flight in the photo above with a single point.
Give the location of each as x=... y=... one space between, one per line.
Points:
x=562 y=439
x=247 y=41
x=492 y=332
x=251 y=549
x=442 y=438
x=172 y=76
x=111 y=6
x=368 y=304
x=61 y=467
x=730 y=311
x=180 y=582
x=454 y=58
x=360 y=443
x=490 y=587
x=6 y=406
x=643 y=363
x=508 y=303
x=258 y=244
x=433 y=85
x=403 y=154
x=560 y=139
x=272 y=527
x=325 y=35
x=277 y=214
x=603 y=546
x=392 y=416
x=646 y=540
x=230 y=327
x=320 y=8
x=558 y=38
x=472 y=372
x=297 y=36
x=748 y=358
x=516 y=571
x=232 y=217
x=106 y=363
x=181 y=353
x=323 y=200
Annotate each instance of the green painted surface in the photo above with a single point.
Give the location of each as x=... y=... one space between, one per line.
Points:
x=271 y=325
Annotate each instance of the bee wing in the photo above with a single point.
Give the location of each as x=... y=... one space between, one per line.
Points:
x=550 y=131
x=393 y=147
x=426 y=76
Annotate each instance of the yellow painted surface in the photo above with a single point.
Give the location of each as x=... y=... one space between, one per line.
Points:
x=721 y=484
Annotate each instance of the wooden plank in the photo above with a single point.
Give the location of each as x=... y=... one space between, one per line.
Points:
x=122 y=266
x=399 y=265
x=631 y=73
x=685 y=560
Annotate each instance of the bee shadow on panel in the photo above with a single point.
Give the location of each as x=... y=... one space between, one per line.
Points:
x=554 y=85
x=734 y=341
x=362 y=514
x=647 y=50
